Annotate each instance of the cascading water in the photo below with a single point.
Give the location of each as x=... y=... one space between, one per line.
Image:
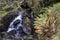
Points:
x=18 y=29
x=16 y=26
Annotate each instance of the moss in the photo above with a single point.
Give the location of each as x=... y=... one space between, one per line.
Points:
x=27 y=20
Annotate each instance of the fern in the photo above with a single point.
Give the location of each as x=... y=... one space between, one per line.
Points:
x=49 y=19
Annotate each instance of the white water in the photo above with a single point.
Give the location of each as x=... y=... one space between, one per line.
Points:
x=12 y=27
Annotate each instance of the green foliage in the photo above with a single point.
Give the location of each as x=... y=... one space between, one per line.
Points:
x=41 y=19
x=41 y=37
x=9 y=6
x=41 y=23
x=55 y=12
x=52 y=17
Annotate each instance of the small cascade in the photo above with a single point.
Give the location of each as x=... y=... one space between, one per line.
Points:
x=16 y=27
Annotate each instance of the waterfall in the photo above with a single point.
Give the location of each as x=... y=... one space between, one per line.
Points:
x=18 y=29
x=16 y=26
